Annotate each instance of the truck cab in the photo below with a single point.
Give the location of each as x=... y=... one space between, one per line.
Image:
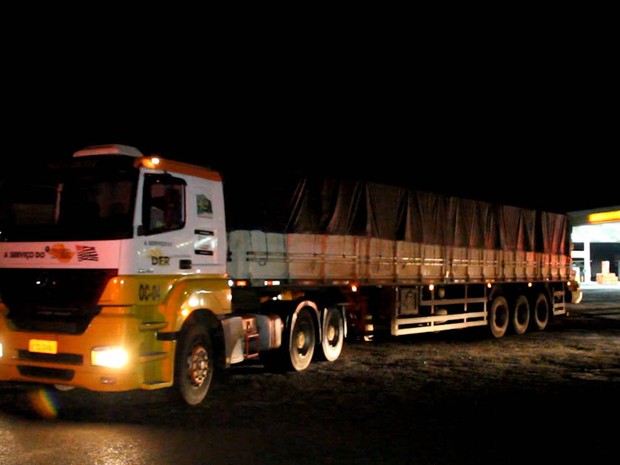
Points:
x=105 y=260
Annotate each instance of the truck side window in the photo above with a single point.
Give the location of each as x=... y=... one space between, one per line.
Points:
x=164 y=203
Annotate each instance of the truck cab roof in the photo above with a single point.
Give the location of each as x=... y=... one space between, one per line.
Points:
x=109 y=149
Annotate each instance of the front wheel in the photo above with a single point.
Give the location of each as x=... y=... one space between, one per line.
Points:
x=194 y=364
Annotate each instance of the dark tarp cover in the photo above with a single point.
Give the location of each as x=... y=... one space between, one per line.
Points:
x=361 y=208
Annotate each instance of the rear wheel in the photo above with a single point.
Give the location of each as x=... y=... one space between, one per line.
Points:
x=499 y=316
x=194 y=365
x=333 y=335
x=297 y=348
x=521 y=315
x=540 y=313
x=302 y=340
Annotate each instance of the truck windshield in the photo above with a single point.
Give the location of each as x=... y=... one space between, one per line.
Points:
x=85 y=199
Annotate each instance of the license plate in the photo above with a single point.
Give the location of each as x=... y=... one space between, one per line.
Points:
x=43 y=346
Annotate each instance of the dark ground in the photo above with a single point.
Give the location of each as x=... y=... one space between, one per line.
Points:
x=446 y=398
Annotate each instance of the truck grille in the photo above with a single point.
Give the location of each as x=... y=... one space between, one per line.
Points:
x=53 y=300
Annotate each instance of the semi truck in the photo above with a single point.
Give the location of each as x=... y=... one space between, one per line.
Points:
x=120 y=271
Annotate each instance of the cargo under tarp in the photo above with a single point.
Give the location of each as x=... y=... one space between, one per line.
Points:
x=348 y=229
x=367 y=209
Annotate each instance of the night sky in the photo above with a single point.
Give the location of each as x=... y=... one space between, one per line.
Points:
x=531 y=141
x=563 y=178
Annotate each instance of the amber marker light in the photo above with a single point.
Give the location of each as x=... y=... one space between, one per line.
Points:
x=152 y=162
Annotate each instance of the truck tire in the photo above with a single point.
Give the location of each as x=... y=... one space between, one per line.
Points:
x=194 y=364
x=302 y=340
x=521 y=315
x=499 y=316
x=333 y=335
x=298 y=346
x=540 y=312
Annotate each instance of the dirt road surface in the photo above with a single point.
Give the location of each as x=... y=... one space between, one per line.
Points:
x=446 y=398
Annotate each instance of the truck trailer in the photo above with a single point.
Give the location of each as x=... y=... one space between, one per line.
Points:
x=120 y=271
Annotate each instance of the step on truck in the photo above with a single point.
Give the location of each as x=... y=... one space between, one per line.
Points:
x=120 y=271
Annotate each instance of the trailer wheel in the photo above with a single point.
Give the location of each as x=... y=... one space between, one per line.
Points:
x=194 y=365
x=521 y=315
x=541 y=312
x=499 y=316
x=333 y=335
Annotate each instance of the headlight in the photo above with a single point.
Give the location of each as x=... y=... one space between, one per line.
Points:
x=110 y=356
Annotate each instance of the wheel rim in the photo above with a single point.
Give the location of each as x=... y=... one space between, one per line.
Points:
x=301 y=348
x=333 y=336
x=541 y=313
x=332 y=333
x=302 y=339
x=521 y=315
x=198 y=366
x=499 y=316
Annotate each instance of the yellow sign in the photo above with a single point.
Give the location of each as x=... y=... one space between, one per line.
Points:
x=43 y=346
x=604 y=217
